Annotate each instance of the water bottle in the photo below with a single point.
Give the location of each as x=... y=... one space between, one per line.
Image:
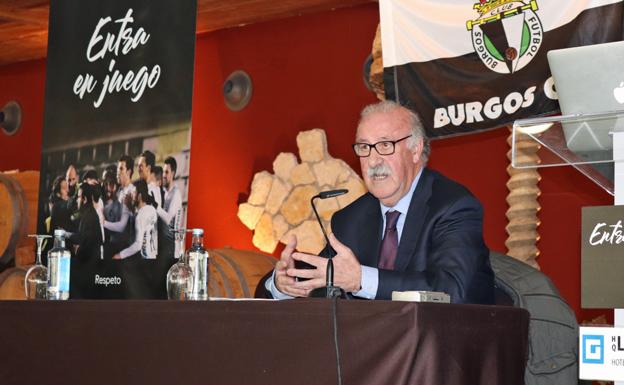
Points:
x=58 y=268
x=197 y=258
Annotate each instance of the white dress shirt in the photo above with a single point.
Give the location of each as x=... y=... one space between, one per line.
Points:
x=146 y=234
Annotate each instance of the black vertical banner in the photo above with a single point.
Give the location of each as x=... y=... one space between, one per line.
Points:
x=116 y=140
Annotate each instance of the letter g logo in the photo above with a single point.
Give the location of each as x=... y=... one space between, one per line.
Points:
x=593 y=349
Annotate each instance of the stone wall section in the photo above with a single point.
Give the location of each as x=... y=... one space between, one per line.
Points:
x=279 y=203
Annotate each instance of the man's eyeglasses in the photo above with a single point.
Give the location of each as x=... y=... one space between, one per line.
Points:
x=385 y=147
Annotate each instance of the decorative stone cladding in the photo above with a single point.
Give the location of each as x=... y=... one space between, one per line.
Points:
x=279 y=203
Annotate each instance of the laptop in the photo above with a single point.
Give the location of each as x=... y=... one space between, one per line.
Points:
x=589 y=79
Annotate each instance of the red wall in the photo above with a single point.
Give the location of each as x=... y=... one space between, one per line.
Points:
x=306 y=73
x=25 y=83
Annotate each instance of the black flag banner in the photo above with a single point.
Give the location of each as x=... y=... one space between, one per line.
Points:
x=116 y=140
x=467 y=66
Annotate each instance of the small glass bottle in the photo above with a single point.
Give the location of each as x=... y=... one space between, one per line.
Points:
x=197 y=258
x=180 y=275
x=59 y=260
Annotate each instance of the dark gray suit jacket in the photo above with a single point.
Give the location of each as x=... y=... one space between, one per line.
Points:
x=441 y=246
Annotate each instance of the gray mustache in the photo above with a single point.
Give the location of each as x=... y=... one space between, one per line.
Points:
x=379 y=170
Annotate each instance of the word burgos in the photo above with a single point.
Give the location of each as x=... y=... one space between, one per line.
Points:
x=107 y=280
x=611 y=236
x=471 y=112
x=127 y=40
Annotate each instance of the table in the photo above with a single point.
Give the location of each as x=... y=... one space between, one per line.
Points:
x=260 y=342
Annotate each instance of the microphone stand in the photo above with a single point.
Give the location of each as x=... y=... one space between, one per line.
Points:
x=329 y=291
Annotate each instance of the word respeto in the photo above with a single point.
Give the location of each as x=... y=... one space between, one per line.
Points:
x=105 y=281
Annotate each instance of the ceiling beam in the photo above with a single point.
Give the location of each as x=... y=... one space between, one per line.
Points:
x=24 y=23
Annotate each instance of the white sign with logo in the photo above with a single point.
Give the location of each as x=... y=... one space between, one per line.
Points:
x=601 y=353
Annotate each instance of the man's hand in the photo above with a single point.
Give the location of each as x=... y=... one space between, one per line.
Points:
x=129 y=202
x=347 y=269
x=285 y=282
x=117 y=256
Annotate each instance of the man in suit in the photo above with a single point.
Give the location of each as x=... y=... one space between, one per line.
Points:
x=89 y=236
x=145 y=165
x=414 y=230
x=89 y=241
x=170 y=214
x=123 y=228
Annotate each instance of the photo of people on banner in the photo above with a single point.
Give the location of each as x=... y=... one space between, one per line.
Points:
x=116 y=141
x=114 y=216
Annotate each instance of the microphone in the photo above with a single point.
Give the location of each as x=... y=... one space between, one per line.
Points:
x=329 y=291
x=330 y=194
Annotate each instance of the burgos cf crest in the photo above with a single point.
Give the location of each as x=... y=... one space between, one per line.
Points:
x=507 y=34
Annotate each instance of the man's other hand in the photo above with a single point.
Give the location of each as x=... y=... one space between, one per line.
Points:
x=285 y=282
x=347 y=269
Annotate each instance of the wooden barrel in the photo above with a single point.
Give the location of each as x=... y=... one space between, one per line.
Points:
x=19 y=192
x=12 y=283
x=13 y=218
x=236 y=273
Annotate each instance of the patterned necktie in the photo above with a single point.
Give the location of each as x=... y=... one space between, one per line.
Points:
x=390 y=243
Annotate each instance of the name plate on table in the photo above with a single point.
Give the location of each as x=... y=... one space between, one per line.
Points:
x=602 y=257
x=421 y=296
x=601 y=353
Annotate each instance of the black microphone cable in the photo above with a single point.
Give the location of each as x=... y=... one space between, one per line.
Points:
x=336 y=344
x=330 y=277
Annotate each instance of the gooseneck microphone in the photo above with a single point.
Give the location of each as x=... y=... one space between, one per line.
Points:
x=329 y=291
x=330 y=194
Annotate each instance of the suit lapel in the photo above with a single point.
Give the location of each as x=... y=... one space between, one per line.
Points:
x=414 y=221
x=370 y=234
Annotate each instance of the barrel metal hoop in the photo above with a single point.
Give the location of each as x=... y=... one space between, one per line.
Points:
x=226 y=283
x=239 y=274
x=214 y=289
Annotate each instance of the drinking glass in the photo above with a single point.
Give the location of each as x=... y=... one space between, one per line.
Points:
x=180 y=275
x=36 y=279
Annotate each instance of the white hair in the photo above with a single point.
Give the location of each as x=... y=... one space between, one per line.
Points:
x=418 y=130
